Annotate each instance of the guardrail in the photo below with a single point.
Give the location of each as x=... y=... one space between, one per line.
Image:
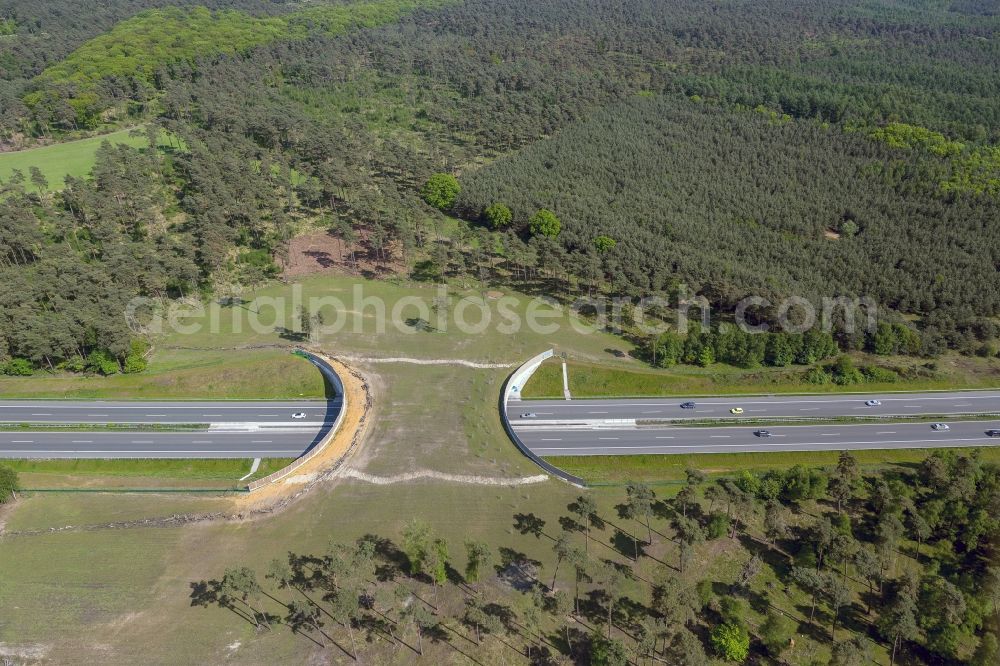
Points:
x=338 y=386
x=512 y=389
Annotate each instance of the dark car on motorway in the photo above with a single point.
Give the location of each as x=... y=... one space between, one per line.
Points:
x=687 y=405
x=762 y=433
x=993 y=433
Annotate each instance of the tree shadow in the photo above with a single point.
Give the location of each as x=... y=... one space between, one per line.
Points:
x=517 y=569
x=394 y=560
x=421 y=325
x=626 y=546
x=205 y=593
x=289 y=334
x=529 y=523
x=569 y=525
x=321 y=257
x=817 y=629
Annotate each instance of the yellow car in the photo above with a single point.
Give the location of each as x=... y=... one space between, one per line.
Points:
x=736 y=410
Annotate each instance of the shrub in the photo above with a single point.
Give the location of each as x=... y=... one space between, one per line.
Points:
x=135 y=361
x=75 y=364
x=101 y=362
x=731 y=642
x=426 y=270
x=545 y=223
x=733 y=611
x=18 y=367
x=8 y=483
x=776 y=632
x=876 y=374
x=748 y=482
x=441 y=190
x=607 y=652
x=844 y=372
x=498 y=215
x=718 y=525
x=818 y=376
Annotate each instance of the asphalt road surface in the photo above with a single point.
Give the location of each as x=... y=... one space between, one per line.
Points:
x=274 y=443
x=56 y=411
x=545 y=440
x=800 y=406
x=234 y=429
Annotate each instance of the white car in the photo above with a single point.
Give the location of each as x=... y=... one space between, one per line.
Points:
x=940 y=426
x=299 y=415
x=873 y=403
x=529 y=415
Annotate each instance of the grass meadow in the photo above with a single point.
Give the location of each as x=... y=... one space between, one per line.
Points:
x=56 y=161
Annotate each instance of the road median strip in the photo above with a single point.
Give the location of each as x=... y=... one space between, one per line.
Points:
x=102 y=427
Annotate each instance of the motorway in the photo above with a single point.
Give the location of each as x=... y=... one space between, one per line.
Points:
x=785 y=406
x=230 y=429
x=655 y=425
x=54 y=411
x=555 y=440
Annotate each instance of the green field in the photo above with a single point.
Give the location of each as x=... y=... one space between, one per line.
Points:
x=669 y=469
x=589 y=380
x=181 y=374
x=73 y=158
x=126 y=474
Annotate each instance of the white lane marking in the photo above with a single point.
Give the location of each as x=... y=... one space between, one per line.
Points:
x=41 y=415
x=230 y=453
x=236 y=404
x=22 y=441
x=607 y=439
x=812 y=409
x=877 y=445
x=154 y=415
x=142 y=441
x=655 y=411
x=260 y=441
x=82 y=441
x=721 y=436
x=104 y=415
x=825 y=400
x=913 y=406
x=597 y=412
x=202 y=441
x=551 y=440
x=664 y=438
x=886 y=432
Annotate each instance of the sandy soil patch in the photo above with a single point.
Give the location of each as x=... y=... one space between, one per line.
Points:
x=324 y=252
x=344 y=441
x=440 y=476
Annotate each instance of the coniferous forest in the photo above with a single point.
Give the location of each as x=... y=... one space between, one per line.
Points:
x=775 y=148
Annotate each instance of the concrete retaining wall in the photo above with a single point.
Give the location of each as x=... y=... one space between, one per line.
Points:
x=512 y=391
x=338 y=386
